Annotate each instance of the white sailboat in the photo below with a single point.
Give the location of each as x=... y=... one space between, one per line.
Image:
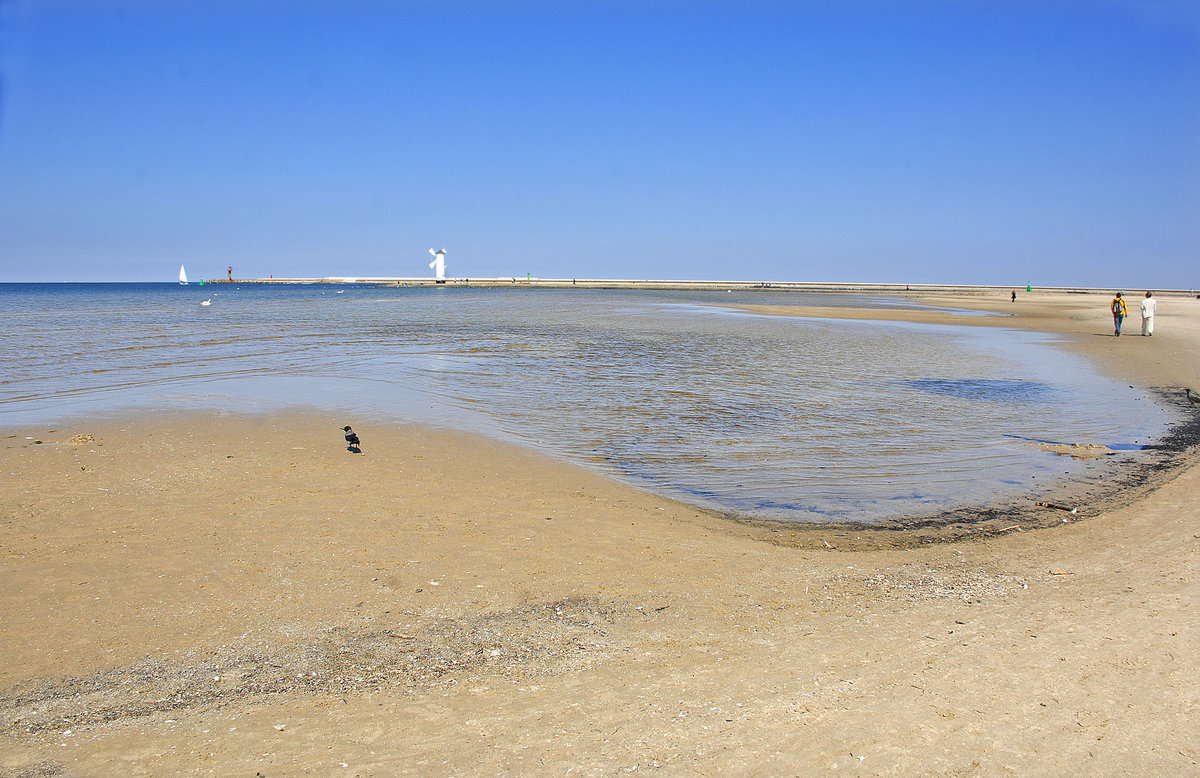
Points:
x=182 y=276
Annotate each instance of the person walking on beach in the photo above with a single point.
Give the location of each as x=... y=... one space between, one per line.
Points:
x=1148 y=306
x=1014 y=299
x=1119 y=312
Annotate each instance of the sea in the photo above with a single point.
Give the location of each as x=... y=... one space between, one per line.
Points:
x=676 y=392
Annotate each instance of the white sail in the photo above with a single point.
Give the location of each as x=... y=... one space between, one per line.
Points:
x=182 y=275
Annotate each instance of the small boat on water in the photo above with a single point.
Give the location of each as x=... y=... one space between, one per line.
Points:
x=182 y=276
x=206 y=302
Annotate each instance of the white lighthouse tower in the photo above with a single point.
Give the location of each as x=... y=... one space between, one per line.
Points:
x=439 y=265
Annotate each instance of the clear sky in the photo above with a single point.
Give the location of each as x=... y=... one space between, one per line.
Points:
x=958 y=141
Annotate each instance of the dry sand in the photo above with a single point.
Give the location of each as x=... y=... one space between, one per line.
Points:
x=242 y=596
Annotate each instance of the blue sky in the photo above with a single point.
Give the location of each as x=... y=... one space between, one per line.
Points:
x=1008 y=142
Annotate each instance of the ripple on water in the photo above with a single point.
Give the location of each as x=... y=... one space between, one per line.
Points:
x=769 y=416
x=996 y=390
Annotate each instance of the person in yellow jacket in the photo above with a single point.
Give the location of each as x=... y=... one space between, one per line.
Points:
x=1119 y=312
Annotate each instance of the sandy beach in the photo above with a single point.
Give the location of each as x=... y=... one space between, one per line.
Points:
x=239 y=595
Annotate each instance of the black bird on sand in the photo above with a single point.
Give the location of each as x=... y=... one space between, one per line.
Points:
x=1193 y=398
x=352 y=441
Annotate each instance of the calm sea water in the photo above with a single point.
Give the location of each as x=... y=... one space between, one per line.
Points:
x=768 y=416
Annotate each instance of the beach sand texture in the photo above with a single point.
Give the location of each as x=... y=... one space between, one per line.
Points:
x=228 y=595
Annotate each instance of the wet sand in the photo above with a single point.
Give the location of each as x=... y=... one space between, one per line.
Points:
x=237 y=595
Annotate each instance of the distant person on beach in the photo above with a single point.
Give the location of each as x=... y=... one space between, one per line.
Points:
x=1014 y=297
x=1148 y=306
x=1119 y=312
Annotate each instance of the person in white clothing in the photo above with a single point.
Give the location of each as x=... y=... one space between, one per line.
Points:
x=1148 y=306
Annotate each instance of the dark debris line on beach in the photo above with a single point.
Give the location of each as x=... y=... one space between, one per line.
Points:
x=525 y=641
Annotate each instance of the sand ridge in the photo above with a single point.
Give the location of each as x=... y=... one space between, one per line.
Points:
x=238 y=594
